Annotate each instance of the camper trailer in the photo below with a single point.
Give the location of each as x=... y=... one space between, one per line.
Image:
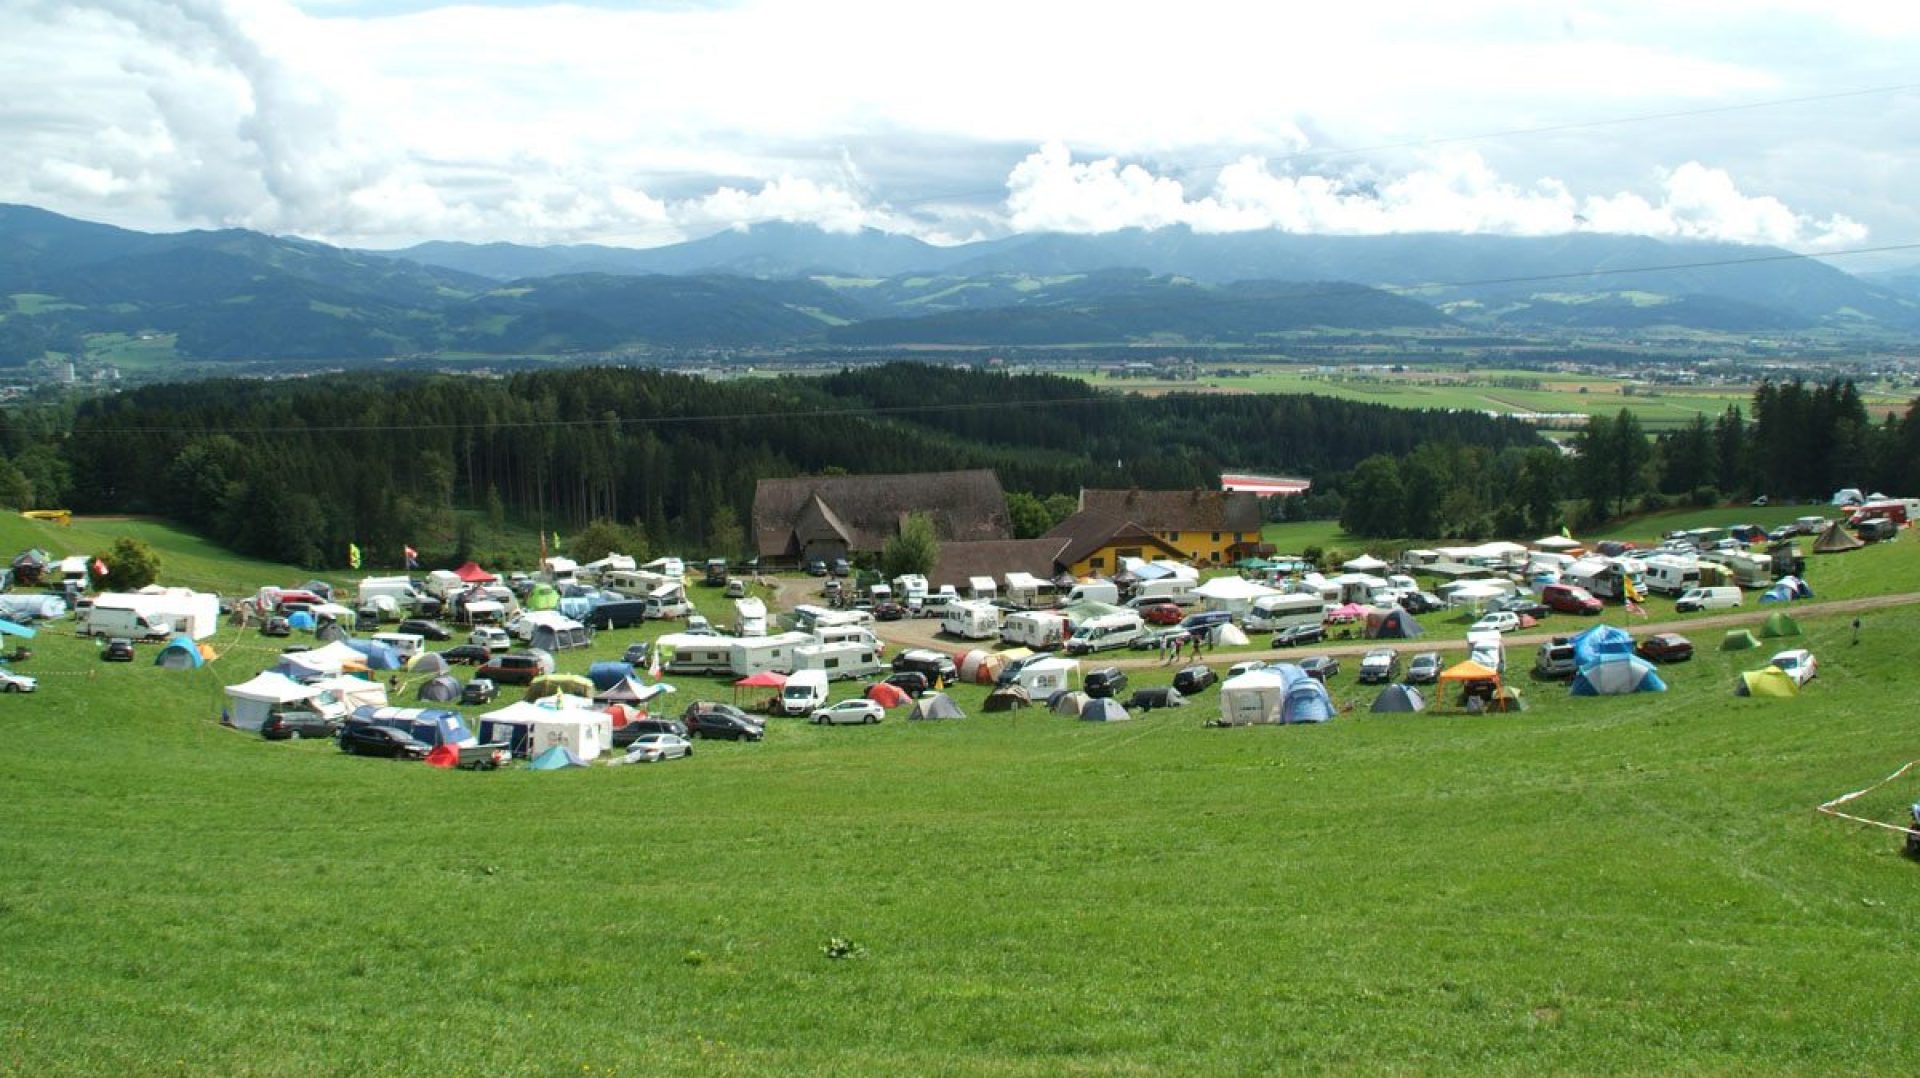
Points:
x=1171 y=589
x=971 y=621
x=845 y=634
x=1038 y=629
x=1105 y=633
x=684 y=653
x=1271 y=613
x=808 y=618
x=1671 y=574
x=754 y=654
x=838 y=661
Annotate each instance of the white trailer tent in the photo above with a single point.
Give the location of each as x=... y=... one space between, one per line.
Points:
x=253 y=700
x=1258 y=696
x=1048 y=676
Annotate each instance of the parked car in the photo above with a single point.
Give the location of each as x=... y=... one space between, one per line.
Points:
x=1799 y=665
x=1555 y=659
x=275 y=625
x=730 y=725
x=1194 y=679
x=119 y=650
x=1568 y=599
x=366 y=739
x=1246 y=667
x=1498 y=621
x=714 y=707
x=514 y=669
x=1155 y=639
x=292 y=724
x=1525 y=606
x=632 y=731
x=1379 y=666
x=888 y=611
x=1665 y=648
x=935 y=665
x=1424 y=669
x=911 y=682
x=736 y=588
x=468 y=655
x=1205 y=619
x=817 y=567
x=652 y=748
x=12 y=682
x=839 y=567
x=1161 y=613
x=636 y=654
x=850 y=713
x=426 y=627
x=1421 y=602
x=1320 y=666
x=1106 y=681
x=1295 y=635
x=479 y=691
x=490 y=636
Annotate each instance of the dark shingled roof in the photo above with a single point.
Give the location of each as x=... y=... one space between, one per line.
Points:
x=1088 y=531
x=961 y=562
x=1178 y=510
x=867 y=510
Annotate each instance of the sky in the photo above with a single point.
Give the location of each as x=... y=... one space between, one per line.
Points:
x=382 y=123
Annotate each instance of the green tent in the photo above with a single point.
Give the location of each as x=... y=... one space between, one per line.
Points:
x=1738 y=640
x=1766 y=681
x=543 y=597
x=1779 y=623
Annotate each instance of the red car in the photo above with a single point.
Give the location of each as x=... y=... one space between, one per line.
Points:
x=1161 y=614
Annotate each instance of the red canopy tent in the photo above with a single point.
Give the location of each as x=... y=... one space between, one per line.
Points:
x=765 y=679
x=473 y=574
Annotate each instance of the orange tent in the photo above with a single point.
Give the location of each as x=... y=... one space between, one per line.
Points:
x=444 y=756
x=886 y=695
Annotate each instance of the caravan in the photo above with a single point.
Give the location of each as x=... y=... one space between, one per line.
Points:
x=749 y=617
x=1271 y=613
x=1671 y=574
x=838 y=661
x=971 y=620
x=752 y=655
x=1038 y=629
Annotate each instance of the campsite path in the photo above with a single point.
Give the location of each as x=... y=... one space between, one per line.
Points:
x=925 y=633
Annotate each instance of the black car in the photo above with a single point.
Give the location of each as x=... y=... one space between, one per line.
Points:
x=1194 y=679
x=1320 y=666
x=366 y=739
x=911 y=682
x=816 y=567
x=468 y=655
x=626 y=735
x=1108 y=681
x=119 y=650
x=1421 y=602
x=888 y=611
x=426 y=627
x=720 y=724
x=295 y=723
x=1295 y=635
x=935 y=665
x=276 y=625
x=479 y=691
x=1524 y=605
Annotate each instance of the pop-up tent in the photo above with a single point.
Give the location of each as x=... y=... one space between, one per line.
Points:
x=1472 y=679
x=440 y=690
x=549 y=684
x=1738 y=640
x=301 y=620
x=1598 y=642
x=1104 y=709
x=1779 y=623
x=555 y=758
x=629 y=691
x=1392 y=624
x=1766 y=681
x=936 y=705
x=1399 y=698
x=543 y=597
x=431 y=663
x=605 y=675
x=980 y=667
x=892 y=696
x=181 y=653
x=376 y=655
x=473 y=574
x=1616 y=675
x=1786 y=589
x=1067 y=703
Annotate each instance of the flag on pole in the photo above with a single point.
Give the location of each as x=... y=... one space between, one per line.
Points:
x=413 y=557
x=1564 y=533
x=353 y=556
x=99 y=567
x=556 y=542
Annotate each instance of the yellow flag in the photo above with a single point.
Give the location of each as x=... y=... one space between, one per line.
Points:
x=353 y=556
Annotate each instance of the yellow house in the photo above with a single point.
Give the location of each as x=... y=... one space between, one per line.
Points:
x=1095 y=543
x=1206 y=527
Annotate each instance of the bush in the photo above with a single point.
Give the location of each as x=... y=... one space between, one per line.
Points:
x=1704 y=497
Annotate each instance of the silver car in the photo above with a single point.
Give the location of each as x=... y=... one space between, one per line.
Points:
x=648 y=748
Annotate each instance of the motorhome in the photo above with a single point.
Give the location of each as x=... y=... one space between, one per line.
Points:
x=910 y=587
x=1170 y=589
x=1604 y=578
x=982 y=588
x=1038 y=629
x=971 y=620
x=1023 y=589
x=559 y=570
x=749 y=617
x=632 y=583
x=838 y=661
x=1105 y=633
x=1097 y=591
x=684 y=653
x=1271 y=613
x=668 y=601
x=753 y=655
x=1671 y=574
x=1487 y=648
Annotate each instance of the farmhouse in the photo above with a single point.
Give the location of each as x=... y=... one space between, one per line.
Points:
x=827 y=517
x=1096 y=543
x=960 y=563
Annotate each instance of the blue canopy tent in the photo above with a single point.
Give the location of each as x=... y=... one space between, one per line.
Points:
x=14 y=628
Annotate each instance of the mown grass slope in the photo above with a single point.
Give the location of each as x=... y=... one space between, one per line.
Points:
x=1626 y=884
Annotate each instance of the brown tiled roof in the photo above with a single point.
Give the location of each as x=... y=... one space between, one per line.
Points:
x=961 y=562
x=1089 y=530
x=1178 y=510
x=868 y=509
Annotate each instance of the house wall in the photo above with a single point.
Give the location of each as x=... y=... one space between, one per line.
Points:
x=1207 y=546
x=1106 y=560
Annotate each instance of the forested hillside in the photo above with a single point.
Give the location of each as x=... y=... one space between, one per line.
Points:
x=297 y=469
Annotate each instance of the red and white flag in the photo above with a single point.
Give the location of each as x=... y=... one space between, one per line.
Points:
x=99 y=567
x=413 y=557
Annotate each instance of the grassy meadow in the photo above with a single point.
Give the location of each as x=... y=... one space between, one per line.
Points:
x=1596 y=885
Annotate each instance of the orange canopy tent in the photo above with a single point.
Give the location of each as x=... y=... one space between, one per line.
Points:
x=1469 y=673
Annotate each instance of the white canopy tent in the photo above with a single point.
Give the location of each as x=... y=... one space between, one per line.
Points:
x=1365 y=563
x=253 y=700
x=1232 y=593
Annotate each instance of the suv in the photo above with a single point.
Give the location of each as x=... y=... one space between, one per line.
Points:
x=426 y=627
x=1107 y=681
x=1379 y=666
x=516 y=669
x=1295 y=635
x=119 y=650
x=479 y=691
x=1193 y=679
x=1555 y=659
x=911 y=682
x=490 y=636
x=366 y=739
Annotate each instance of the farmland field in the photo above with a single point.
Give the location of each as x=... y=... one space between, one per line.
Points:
x=1615 y=884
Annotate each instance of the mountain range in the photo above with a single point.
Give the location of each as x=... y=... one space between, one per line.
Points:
x=68 y=285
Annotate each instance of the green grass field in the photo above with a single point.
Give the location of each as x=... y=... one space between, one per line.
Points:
x=1601 y=885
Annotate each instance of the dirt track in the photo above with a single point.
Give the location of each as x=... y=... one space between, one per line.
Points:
x=925 y=632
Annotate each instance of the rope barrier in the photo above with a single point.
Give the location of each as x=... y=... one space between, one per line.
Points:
x=1831 y=807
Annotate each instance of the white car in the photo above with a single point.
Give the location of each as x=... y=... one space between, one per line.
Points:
x=1799 y=665
x=852 y=712
x=12 y=682
x=491 y=637
x=648 y=748
x=1500 y=621
x=1247 y=667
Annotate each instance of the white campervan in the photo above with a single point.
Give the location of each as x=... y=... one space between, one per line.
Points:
x=803 y=692
x=1105 y=633
x=1095 y=591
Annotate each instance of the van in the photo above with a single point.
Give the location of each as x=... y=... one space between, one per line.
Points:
x=1095 y=591
x=1105 y=633
x=1707 y=599
x=803 y=692
x=127 y=622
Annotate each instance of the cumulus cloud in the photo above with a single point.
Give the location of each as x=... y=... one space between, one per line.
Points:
x=1456 y=191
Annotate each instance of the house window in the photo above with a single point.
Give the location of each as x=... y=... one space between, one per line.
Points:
x=1098 y=561
x=1173 y=537
x=1132 y=552
x=1216 y=537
